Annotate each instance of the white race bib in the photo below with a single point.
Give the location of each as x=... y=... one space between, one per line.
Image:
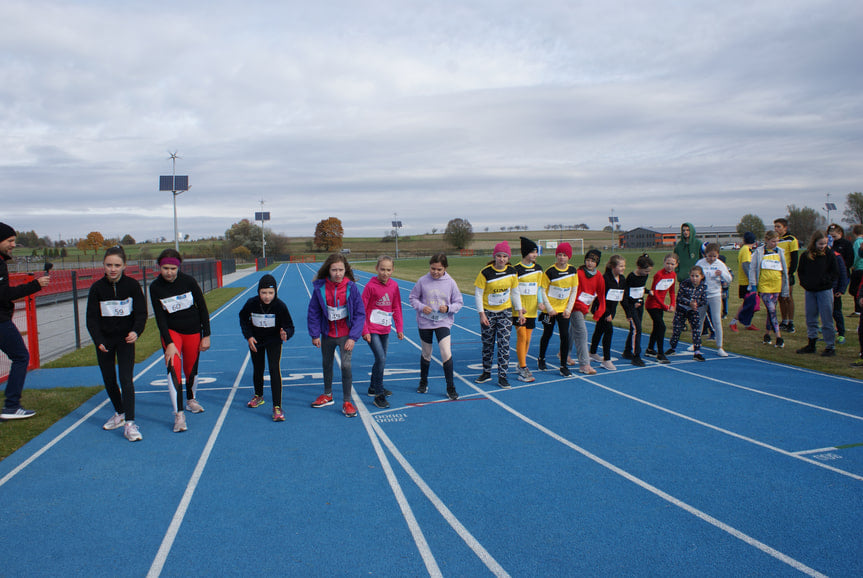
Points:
x=527 y=288
x=614 y=295
x=178 y=302
x=771 y=264
x=664 y=284
x=636 y=292
x=379 y=317
x=586 y=298
x=561 y=293
x=434 y=315
x=336 y=313
x=116 y=308
x=264 y=319
x=496 y=299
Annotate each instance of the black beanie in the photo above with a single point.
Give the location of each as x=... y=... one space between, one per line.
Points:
x=6 y=231
x=527 y=246
x=595 y=254
x=267 y=282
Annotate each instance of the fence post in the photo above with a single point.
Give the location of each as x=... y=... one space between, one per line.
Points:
x=75 y=309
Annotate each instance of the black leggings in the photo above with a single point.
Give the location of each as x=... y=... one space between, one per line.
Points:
x=548 y=330
x=122 y=400
x=603 y=330
x=273 y=353
x=657 y=336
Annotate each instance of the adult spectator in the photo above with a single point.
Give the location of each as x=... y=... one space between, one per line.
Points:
x=688 y=251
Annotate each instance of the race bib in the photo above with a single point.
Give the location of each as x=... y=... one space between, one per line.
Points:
x=771 y=265
x=116 y=308
x=434 y=315
x=613 y=295
x=636 y=292
x=379 y=317
x=587 y=298
x=336 y=313
x=664 y=284
x=496 y=299
x=264 y=319
x=561 y=293
x=178 y=302
x=527 y=288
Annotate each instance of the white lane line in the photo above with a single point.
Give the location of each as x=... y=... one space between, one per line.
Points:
x=180 y=513
x=818 y=451
x=654 y=490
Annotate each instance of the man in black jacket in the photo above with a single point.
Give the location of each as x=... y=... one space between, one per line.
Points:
x=11 y=342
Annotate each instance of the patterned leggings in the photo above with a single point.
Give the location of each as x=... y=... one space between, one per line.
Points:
x=681 y=315
x=770 y=300
x=499 y=330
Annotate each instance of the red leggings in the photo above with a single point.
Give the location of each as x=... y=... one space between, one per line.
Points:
x=184 y=363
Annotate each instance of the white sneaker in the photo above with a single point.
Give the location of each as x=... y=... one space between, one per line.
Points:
x=131 y=432
x=690 y=348
x=193 y=406
x=596 y=357
x=179 y=422
x=607 y=365
x=721 y=352
x=117 y=420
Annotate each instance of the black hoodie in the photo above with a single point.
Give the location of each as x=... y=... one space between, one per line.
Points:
x=263 y=322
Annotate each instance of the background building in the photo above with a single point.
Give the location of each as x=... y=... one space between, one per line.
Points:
x=651 y=237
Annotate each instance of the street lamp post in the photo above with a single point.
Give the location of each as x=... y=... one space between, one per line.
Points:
x=396 y=226
x=177 y=184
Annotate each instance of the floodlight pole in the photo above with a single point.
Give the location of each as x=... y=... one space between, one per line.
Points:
x=263 y=240
x=174 y=193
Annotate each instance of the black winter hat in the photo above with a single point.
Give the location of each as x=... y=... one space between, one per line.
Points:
x=6 y=231
x=594 y=254
x=268 y=282
x=527 y=246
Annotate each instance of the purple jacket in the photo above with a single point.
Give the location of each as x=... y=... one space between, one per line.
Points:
x=317 y=318
x=434 y=293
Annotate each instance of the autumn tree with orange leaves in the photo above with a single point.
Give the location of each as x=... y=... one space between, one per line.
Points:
x=329 y=234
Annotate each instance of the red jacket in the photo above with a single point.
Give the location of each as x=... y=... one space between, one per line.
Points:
x=594 y=285
x=656 y=299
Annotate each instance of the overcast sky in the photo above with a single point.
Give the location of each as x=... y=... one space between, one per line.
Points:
x=501 y=112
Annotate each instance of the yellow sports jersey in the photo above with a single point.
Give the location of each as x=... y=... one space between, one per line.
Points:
x=770 y=276
x=497 y=286
x=744 y=256
x=788 y=243
x=559 y=285
x=529 y=282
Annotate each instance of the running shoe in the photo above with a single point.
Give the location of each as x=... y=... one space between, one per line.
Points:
x=131 y=432
x=372 y=393
x=733 y=326
x=323 y=400
x=791 y=328
x=540 y=364
x=595 y=357
x=525 y=375
x=637 y=361
x=858 y=363
x=751 y=328
x=698 y=357
x=670 y=351
x=828 y=352
x=452 y=393
x=649 y=351
x=256 y=401
x=381 y=402
x=19 y=413
x=193 y=406
x=626 y=355
x=483 y=377
x=503 y=382
x=721 y=352
x=423 y=387
x=349 y=410
x=608 y=365
x=587 y=370
x=278 y=414
x=117 y=420
x=840 y=339
x=766 y=340
x=570 y=361
x=780 y=342
x=564 y=371
x=179 y=421
x=660 y=358
x=691 y=348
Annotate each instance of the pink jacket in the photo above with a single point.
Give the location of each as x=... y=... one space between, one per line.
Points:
x=383 y=305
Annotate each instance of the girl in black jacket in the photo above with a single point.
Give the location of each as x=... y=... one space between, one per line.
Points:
x=817 y=270
x=116 y=316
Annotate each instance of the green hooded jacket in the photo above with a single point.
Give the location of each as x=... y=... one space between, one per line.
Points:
x=688 y=253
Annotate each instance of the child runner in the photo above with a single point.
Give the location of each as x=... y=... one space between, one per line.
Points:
x=633 y=306
x=715 y=274
x=790 y=246
x=856 y=265
x=436 y=299
x=557 y=297
x=529 y=279
x=266 y=322
x=336 y=318
x=768 y=274
x=663 y=284
x=749 y=299
x=691 y=297
x=496 y=293
x=591 y=288
x=184 y=327
x=383 y=305
x=116 y=316
x=843 y=248
x=818 y=271
x=615 y=287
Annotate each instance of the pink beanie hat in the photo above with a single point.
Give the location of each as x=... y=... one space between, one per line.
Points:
x=564 y=248
x=503 y=247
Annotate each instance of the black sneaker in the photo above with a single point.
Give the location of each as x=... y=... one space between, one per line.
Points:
x=698 y=357
x=650 y=351
x=783 y=326
x=451 y=393
x=670 y=351
x=660 y=358
x=790 y=327
x=371 y=392
x=626 y=355
x=503 y=383
x=829 y=352
x=564 y=371
x=540 y=364
x=381 y=402
x=766 y=340
x=637 y=362
x=483 y=377
x=423 y=387
x=780 y=343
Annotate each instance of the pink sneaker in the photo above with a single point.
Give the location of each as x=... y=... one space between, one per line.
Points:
x=349 y=410
x=323 y=401
x=256 y=401
x=278 y=414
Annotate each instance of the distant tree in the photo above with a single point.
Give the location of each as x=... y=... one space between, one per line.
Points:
x=434 y=230
x=753 y=223
x=246 y=234
x=329 y=234
x=802 y=222
x=127 y=240
x=241 y=252
x=63 y=252
x=458 y=233
x=92 y=242
x=853 y=209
